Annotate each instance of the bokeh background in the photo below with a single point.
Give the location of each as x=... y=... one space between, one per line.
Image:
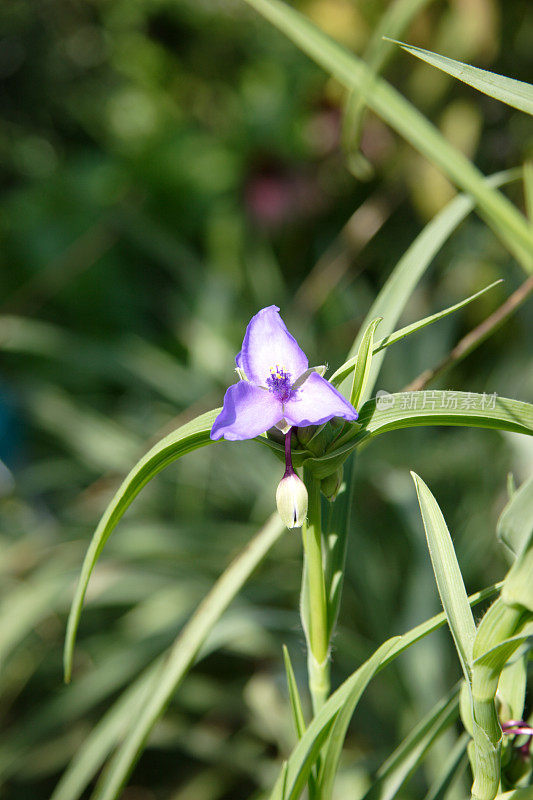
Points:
x=170 y=167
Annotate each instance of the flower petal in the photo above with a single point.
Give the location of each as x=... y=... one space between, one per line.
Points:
x=268 y=343
x=317 y=402
x=247 y=412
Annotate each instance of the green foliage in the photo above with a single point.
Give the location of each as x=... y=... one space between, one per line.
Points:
x=170 y=168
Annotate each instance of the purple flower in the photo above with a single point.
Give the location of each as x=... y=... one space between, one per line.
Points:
x=279 y=388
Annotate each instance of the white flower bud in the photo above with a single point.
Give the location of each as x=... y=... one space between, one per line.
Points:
x=291 y=499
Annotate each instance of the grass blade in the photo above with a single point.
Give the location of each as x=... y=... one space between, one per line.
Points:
x=184 y=440
x=335 y=744
x=406 y=758
x=104 y=737
x=510 y=225
x=308 y=748
x=453 y=766
x=515 y=93
x=394 y=20
x=390 y=412
x=294 y=695
x=448 y=576
x=344 y=370
x=183 y=654
x=400 y=284
x=362 y=363
x=441 y=407
x=422 y=323
x=515 y=525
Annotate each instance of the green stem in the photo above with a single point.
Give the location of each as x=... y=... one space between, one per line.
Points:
x=498 y=627
x=318 y=638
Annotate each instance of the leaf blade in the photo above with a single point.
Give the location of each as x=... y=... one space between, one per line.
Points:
x=363 y=363
x=396 y=770
x=400 y=284
x=183 y=653
x=515 y=525
x=422 y=323
x=188 y=437
x=399 y=113
x=517 y=94
x=294 y=695
x=448 y=576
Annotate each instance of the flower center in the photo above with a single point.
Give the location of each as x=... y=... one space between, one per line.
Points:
x=279 y=383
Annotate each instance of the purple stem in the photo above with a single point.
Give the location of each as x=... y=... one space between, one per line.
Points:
x=517 y=727
x=288 y=456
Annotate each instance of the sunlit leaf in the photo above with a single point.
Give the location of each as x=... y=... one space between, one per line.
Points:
x=408 y=755
x=392 y=107
x=184 y=440
x=515 y=525
x=294 y=695
x=448 y=576
x=515 y=93
x=398 y=288
x=182 y=656
x=422 y=323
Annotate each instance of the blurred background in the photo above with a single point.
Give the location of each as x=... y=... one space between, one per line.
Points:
x=168 y=168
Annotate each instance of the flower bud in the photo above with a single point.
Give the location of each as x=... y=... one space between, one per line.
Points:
x=291 y=499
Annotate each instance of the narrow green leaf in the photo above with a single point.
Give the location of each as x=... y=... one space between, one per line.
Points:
x=441 y=407
x=398 y=112
x=453 y=766
x=344 y=370
x=363 y=363
x=110 y=729
x=389 y=412
x=294 y=695
x=515 y=525
x=397 y=769
x=183 y=654
x=496 y=657
x=518 y=585
x=184 y=440
x=400 y=284
x=422 y=323
x=308 y=748
x=438 y=621
x=515 y=93
x=279 y=790
x=512 y=686
x=448 y=576
x=392 y=22
x=105 y=735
